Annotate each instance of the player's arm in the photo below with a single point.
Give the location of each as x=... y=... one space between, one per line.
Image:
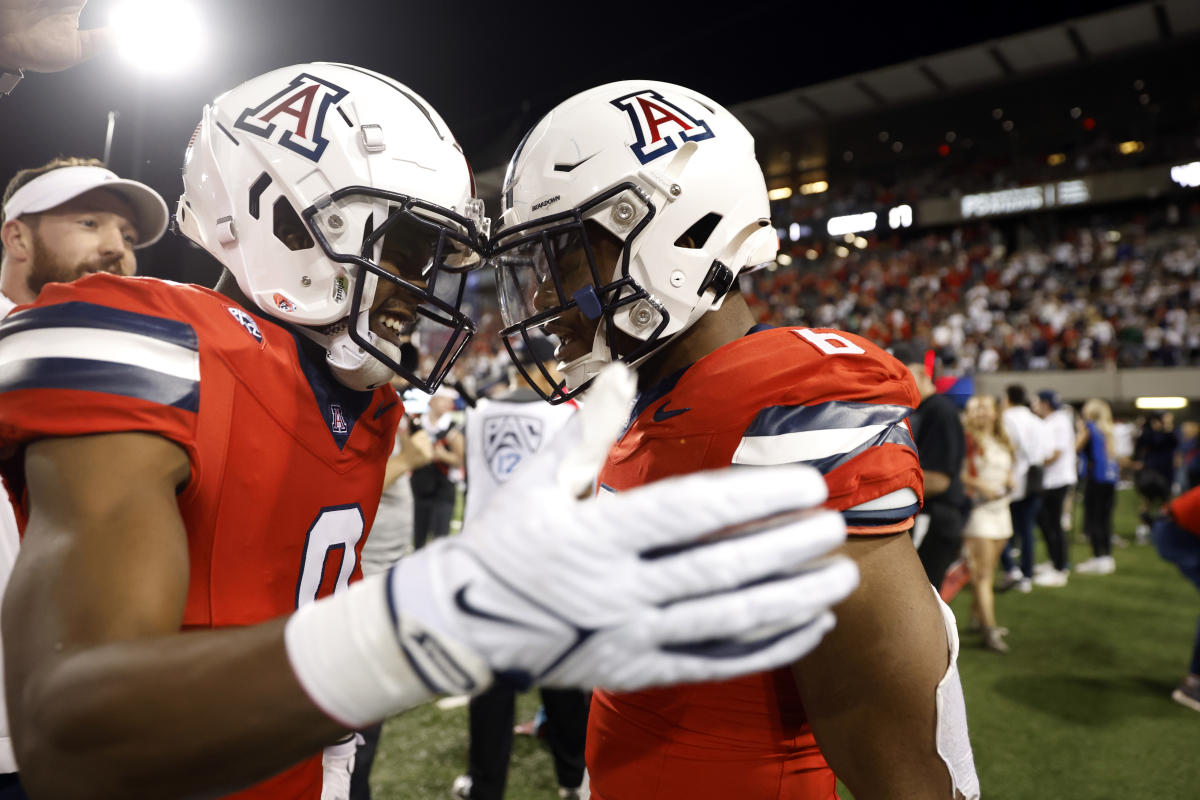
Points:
x=869 y=687
x=415 y=451
x=100 y=680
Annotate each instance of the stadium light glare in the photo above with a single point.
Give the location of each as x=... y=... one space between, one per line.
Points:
x=811 y=254
x=900 y=217
x=783 y=260
x=841 y=252
x=1130 y=147
x=1054 y=159
x=816 y=187
x=1187 y=175
x=781 y=193
x=163 y=37
x=1160 y=403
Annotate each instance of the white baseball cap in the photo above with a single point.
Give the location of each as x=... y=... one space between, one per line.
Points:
x=57 y=186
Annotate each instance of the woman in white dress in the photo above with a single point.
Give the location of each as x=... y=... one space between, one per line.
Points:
x=988 y=479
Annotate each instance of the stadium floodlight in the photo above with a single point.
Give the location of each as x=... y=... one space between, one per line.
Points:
x=1160 y=403
x=816 y=187
x=780 y=193
x=162 y=37
x=1186 y=174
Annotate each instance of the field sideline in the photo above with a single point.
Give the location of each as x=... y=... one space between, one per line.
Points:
x=1079 y=709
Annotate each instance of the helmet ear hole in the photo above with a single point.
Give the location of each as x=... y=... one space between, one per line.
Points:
x=288 y=227
x=696 y=236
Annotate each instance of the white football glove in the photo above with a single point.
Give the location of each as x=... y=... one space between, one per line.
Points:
x=337 y=768
x=622 y=591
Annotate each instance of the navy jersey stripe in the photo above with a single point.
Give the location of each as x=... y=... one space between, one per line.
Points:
x=835 y=414
x=893 y=434
x=880 y=516
x=78 y=314
x=107 y=377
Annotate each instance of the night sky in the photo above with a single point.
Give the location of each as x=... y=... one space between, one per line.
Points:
x=491 y=69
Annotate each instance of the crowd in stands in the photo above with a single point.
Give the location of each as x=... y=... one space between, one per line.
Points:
x=1093 y=298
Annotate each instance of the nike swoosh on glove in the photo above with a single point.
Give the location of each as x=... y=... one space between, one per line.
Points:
x=674 y=582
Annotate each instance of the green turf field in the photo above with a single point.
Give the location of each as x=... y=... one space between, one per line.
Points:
x=1079 y=709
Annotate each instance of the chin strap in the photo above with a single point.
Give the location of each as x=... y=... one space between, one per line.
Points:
x=351 y=365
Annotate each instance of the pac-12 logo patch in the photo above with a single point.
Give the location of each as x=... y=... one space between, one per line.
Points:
x=507 y=440
x=246 y=322
x=660 y=125
x=295 y=115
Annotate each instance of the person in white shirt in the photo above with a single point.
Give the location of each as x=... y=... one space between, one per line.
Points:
x=1026 y=432
x=61 y=221
x=1059 y=479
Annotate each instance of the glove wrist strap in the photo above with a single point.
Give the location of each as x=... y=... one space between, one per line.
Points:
x=346 y=655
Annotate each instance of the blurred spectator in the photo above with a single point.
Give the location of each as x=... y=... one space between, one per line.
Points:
x=988 y=477
x=938 y=433
x=500 y=435
x=1187 y=471
x=390 y=539
x=1154 y=462
x=1026 y=433
x=434 y=489
x=1059 y=478
x=1177 y=538
x=1098 y=468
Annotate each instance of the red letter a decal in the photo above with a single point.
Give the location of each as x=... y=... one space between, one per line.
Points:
x=656 y=115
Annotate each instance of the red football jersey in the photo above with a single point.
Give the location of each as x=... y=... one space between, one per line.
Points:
x=286 y=464
x=788 y=395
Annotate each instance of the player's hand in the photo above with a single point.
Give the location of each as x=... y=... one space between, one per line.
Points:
x=622 y=591
x=44 y=35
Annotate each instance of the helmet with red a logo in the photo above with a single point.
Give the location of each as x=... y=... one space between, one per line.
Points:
x=315 y=184
x=664 y=172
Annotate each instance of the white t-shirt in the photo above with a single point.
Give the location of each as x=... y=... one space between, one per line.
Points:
x=1060 y=435
x=500 y=435
x=1027 y=434
x=10 y=541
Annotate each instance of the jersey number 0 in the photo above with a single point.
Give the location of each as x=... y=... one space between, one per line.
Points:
x=329 y=545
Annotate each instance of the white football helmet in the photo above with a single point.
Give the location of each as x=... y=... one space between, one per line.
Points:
x=669 y=173
x=301 y=182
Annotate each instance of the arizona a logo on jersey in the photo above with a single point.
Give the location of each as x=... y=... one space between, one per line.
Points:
x=507 y=440
x=298 y=109
x=660 y=125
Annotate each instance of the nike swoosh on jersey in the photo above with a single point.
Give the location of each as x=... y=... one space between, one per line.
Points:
x=662 y=414
x=380 y=411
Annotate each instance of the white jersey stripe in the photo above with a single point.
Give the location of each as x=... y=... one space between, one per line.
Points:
x=789 y=448
x=901 y=498
x=98 y=344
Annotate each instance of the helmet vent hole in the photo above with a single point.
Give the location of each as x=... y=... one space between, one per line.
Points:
x=695 y=237
x=289 y=228
x=256 y=191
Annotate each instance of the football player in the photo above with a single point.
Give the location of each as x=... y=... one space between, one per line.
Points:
x=628 y=213
x=195 y=472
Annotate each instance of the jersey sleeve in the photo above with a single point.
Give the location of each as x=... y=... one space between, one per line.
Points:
x=73 y=364
x=843 y=409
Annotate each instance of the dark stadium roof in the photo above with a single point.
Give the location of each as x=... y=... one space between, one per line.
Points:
x=1143 y=25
